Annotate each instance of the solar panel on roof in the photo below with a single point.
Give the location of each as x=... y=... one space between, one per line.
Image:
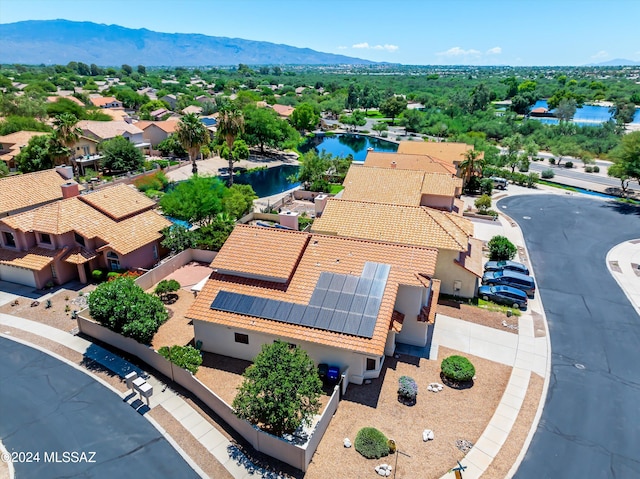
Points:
x=341 y=303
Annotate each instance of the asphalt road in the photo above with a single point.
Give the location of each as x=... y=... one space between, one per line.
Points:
x=46 y=406
x=579 y=174
x=590 y=426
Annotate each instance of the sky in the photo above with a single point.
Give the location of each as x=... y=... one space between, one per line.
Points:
x=411 y=32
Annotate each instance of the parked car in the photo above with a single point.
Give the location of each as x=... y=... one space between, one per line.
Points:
x=499 y=183
x=510 y=278
x=504 y=295
x=510 y=265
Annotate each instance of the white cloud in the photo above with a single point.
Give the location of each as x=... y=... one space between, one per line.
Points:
x=494 y=51
x=342 y=47
x=458 y=52
x=600 y=55
x=387 y=47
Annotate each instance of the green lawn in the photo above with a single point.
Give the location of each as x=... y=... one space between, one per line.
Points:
x=497 y=307
x=335 y=188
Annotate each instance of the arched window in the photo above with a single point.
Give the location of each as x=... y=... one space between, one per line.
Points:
x=113 y=261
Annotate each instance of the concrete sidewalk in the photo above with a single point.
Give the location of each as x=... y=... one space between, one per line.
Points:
x=623 y=262
x=238 y=465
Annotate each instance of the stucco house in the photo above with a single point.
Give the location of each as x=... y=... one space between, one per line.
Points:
x=459 y=263
x=171 y=100
x=425 y=163
x=114 y=228
x=344 y=301
x=154 y=132
x=449 y=152
x=284 y=111
x=11 y=144
x=403 y=187
x=106 y=102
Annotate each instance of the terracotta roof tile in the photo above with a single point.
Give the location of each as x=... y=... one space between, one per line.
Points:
x=34 y=259
x=106 y=130
x=449 y=152
x=412 y=225
x=79 y=255
x=321 y=254
x=118 y=201
x=102 y=100
x=425 y=163
x=23 y=191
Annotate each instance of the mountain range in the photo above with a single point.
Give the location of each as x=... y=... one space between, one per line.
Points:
x=617 y=62
x=62 y=41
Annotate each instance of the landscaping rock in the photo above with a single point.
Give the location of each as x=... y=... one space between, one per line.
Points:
x=383 y=470
x=435 y=387
x=427 y=435
x=347 y=442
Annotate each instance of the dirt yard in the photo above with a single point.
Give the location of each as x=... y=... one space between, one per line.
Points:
x=477 y=314
x=451 y=414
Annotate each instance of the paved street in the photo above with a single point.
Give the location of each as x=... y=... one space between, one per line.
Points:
x=589 y=427
x=54 y=408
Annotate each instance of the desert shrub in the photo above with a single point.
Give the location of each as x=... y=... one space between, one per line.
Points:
x=458 y=368
x=532 y=179
x=568 y=164
x=371 y=443
x=407 y=388
x=500 y=248
x=486 y=186
x=492 y=213
x=596 y=169
x=97 y=275
x=165 y=287
x=483 y=203
x=588 y=169
x=185 y=357
x=548 y=174
x=552 y=161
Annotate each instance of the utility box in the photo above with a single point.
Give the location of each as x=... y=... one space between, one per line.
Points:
x=289 y=219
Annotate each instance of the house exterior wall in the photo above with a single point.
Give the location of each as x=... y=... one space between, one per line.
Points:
x=437 y=202
x=409 y=301
x=134 y=138
x=221 y=340
x=447 y=271
x=79 y=148
x=140 y=258
x=154 y=135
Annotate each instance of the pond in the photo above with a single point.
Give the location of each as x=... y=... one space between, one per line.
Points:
x=587 y=115
x=269 y=181
x=345 y=145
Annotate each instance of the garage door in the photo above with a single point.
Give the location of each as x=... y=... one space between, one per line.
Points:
x=17 y=275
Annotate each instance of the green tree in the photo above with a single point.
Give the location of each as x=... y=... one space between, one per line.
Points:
x=412 y=120
x=304 y=117
x=166 y=287
x=123 y=306
x=178 y=238
x=36 y=156
x=230 y=126
x=126 y=69
x=393 y=107
x=563 y=148
x=171 y=146
x=262 y=127
x=142 y=70
x=4 y=169
x=379 y=127
x=471 y=165
x=192 y=134
x=66 y=133
x=626 y=158
x=185 y=357
x=480 y=97
x=513 y=144
x=566 y=109
x=119 y=154
x=281 y=389
x=13 y=124
x=501 y=249
x=483 y=203
x=617 y=170
x=213 y=236
x=65 y=106
x=197 y=200
x=239 y=200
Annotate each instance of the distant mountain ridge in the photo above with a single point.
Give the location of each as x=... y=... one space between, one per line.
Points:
x=616 y=62
x=61 y=41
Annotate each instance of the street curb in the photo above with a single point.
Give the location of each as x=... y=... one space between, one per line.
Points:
x=153 y=422
x=615 y=277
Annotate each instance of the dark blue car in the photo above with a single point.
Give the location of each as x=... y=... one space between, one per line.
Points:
x=504 y=295
x=510 y=278
x=510 y=265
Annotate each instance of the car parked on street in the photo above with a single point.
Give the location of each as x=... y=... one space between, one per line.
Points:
x=510 y=278
x=504 y=295
x=510 y=265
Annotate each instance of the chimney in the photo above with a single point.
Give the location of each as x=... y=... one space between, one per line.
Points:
x=289 y=219
x=393 y=164
x=70 y=189
x=320 y=203
x=65 y=171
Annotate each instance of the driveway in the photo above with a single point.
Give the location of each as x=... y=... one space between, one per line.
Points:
x=47 y=406
x=589 y=426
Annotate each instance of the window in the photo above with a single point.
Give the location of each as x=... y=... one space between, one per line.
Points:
x=79 y=239
x=54 y=274
x=371 y=364
x=113 y=262
x=9 y=239
x=155 y=251
x=242 y=338
x=45 y=238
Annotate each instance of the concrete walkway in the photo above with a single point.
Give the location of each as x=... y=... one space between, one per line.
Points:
x=238 y=465
x=623 y=262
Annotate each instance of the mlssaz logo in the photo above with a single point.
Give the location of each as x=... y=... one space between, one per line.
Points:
x=72 y=457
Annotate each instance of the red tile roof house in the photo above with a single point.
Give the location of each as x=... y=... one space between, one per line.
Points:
x=344 y=301
x=114 y=228
x=106 y=102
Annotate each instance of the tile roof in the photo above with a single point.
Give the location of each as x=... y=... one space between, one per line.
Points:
x=118 y=201
x=31 y=189
x=35 y=259
x=411 y=225
x=321 y=254
x=282 y=252
x=106 y=130
x=53 y=99
x=394 y=186
x=192 y=109
x=74 y=214
x=166 y=126
x=20 y=138
x=425 y=163
x=445 y=151
x=283 y=110
x=103 y=100
x=118 y=114
x=79 y=255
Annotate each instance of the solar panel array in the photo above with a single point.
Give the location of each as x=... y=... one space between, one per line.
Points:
x=341 y=303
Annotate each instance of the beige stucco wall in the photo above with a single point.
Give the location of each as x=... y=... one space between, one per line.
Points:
x=447 y=271
x=437 y=202
x=409 y=301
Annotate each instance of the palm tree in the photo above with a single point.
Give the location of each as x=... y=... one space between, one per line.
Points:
x=65 y=134
x=471 y=165
x=230 y=125
x=192 y=134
